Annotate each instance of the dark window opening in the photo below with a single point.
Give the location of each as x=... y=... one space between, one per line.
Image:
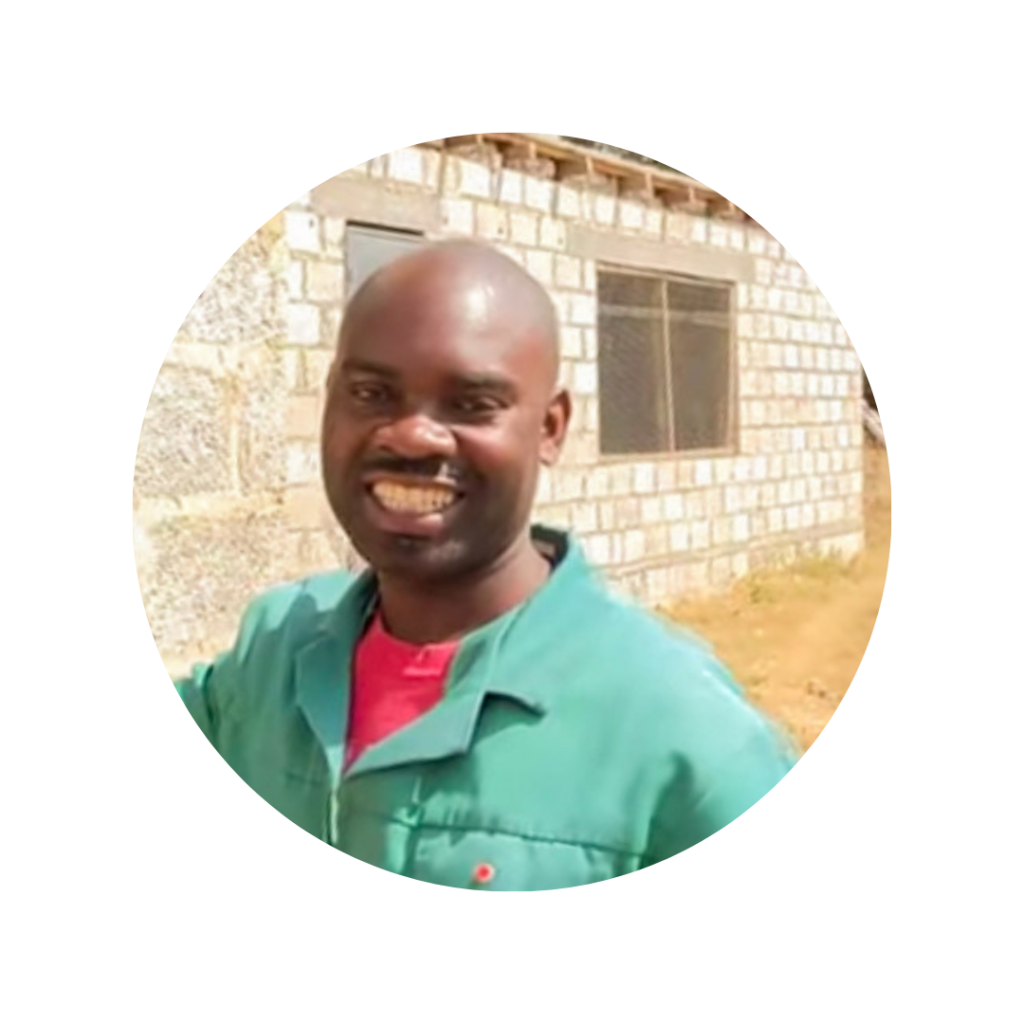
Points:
x=664 y=363
x=368 y=248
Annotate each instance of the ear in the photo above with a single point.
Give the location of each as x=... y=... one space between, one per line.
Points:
x=555 y=426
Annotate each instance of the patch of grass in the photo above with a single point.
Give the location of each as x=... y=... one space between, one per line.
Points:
x=760 y=589
x=793 y=636
x=824 y=568
x=757 y=680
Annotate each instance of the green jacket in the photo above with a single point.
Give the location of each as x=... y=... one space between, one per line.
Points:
x=579 y=738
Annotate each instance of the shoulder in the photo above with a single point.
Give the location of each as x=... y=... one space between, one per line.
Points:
x=668 y=678
x=670 y=718
x=659 y=649
x=292 y=612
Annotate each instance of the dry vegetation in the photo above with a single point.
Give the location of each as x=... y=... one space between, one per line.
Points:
x=794 y=638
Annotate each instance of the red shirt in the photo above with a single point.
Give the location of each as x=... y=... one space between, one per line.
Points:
x=393 y=683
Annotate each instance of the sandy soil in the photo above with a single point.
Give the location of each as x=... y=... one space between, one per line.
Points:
x=794 y=638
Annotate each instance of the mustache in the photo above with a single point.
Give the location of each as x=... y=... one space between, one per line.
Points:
x=430 y=468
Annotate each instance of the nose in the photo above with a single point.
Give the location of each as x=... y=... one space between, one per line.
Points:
x=416 y=436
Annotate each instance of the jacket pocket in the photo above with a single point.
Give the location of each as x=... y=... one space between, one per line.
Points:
x=470 y=858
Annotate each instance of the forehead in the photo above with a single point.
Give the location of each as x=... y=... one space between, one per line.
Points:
x=444 y=327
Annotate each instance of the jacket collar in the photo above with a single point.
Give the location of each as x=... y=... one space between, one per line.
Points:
x=502 y=658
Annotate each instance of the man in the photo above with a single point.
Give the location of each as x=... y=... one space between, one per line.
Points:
x=476 y=709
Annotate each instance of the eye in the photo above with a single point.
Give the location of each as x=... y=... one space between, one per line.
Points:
x=369 y=393
x=477 y=405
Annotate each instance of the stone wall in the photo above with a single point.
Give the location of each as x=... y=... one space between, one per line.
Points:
x=227 y=493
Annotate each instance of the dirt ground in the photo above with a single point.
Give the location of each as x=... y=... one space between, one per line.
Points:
x=794 y=638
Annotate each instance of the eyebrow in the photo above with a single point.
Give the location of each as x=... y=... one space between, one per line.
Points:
x=367 y=366
x=484 y=382
x=468 y=381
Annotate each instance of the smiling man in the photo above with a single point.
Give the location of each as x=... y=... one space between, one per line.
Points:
x=476 y=709
x=441 y=406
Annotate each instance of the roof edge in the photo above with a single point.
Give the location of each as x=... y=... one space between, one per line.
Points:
x=628 y=178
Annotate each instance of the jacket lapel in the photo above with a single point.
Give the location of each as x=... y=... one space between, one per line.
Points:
x=489 y=663
x=323 y=673
x=446 y=730
x=499 y=659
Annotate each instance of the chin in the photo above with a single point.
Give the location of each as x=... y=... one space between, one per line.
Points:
x=416 y=559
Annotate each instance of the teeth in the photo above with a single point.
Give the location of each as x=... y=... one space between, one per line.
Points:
x=415 y=500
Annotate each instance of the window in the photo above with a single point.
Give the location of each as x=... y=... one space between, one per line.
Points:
x=664 y=363
x=368 y=248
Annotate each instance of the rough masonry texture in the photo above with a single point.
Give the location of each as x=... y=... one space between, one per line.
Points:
x=227 y=489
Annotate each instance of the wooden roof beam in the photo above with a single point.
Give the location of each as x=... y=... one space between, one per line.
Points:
x=523 y=156
x=725 y=209
x=686 y=199
x=551 y=157
x=479 y=148
x=610 y=164
x=640 y=188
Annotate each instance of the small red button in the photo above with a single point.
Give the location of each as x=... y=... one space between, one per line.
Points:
x=483 y=873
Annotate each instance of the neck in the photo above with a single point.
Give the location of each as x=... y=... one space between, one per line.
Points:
x=423 y=613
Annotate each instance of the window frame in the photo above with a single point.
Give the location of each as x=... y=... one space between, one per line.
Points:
x=731 y=445
x=372 y=228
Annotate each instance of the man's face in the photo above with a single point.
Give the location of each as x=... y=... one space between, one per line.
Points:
x=439 y=412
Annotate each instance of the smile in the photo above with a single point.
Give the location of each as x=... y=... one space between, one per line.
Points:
x=415 y=499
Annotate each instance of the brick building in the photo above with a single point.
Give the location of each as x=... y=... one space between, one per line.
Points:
x=717 y=398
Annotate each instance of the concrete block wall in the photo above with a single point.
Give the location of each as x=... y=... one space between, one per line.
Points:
x=228 y=494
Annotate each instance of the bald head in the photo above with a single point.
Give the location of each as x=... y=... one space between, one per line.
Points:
x=470 y=283
x=445 y=378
